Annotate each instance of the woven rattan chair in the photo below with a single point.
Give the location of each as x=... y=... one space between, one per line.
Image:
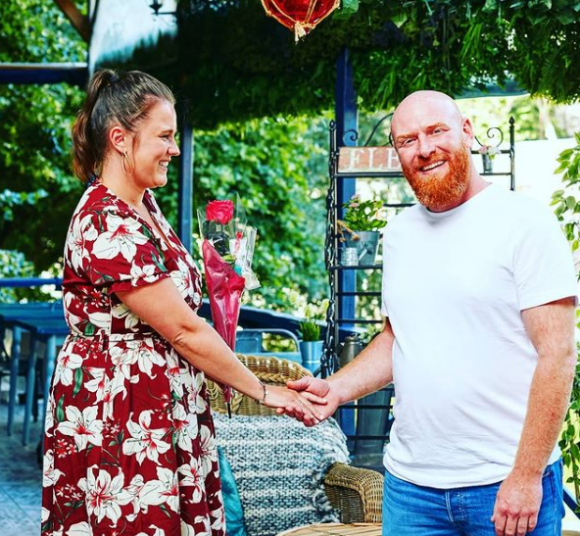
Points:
x=356 y=493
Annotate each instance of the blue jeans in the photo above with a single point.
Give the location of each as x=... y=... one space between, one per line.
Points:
x=411 y=510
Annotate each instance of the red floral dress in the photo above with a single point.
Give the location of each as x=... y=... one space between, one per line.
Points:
x=129 y=444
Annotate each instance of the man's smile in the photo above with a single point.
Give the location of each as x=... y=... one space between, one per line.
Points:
x=433 y=165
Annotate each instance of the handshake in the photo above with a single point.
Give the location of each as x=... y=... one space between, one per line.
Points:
x=310 y=400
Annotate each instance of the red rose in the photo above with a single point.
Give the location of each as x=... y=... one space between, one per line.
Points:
x=219 y=211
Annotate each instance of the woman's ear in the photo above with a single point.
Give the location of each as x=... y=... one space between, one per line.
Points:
x=119 y=139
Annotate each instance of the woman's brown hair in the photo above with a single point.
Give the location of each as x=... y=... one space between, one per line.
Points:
x=125 y=98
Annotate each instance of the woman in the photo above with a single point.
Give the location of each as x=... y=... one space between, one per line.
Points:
x=129 y=445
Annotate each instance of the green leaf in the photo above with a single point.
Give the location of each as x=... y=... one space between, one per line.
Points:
x=78 y=381
x=60 y=409
x=348 y=7
x=490 y=6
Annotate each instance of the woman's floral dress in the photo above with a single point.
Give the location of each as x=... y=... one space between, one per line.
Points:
x=129 y=444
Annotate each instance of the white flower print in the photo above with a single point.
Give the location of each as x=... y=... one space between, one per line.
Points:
x=123 y=356
x=105 y=389
x=101 y=320
x=104 y=495
x=132 y=491
x=182 y=279
x=81 y=231
x=66 y=364
x=175 y=381
x=44 y=515
x=122 y=311
x=185 y=427
x=219 y=519
x=148 y=357
x=49 y=418
x=145 y=441
x=50 y=475
x=83 y=427
x=123 y=235
x=165 y=490
x=186 y=529
x=146 y=273
x=196 y=402
x=190 y=476
x=205 y=522
x=158 y=531
x=196 y=298
x=98 y=383
x=208 y=450
x=80 y=529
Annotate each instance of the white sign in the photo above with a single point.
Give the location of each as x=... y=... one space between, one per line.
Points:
x=357 y=159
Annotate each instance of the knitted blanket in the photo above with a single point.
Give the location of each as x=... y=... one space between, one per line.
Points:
x=279 y=466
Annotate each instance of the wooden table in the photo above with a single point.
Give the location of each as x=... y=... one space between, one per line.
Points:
x=336 y=529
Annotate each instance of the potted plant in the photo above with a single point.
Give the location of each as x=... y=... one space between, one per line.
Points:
x=360 y=227
x=310 y=344
x=488 y=153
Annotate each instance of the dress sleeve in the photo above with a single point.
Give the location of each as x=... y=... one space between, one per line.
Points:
x=121 y=253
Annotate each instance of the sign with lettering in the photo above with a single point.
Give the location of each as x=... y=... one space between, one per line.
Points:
x=359 y=159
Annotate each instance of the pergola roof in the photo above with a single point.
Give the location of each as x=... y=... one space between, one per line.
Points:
x=233 y=62
x=43 y=73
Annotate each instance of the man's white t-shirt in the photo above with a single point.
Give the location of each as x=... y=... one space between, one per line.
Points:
x=454 y=286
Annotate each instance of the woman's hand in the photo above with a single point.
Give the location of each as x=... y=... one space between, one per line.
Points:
x=294 y=404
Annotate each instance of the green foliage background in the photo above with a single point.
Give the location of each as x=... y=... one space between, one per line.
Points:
x=277 y=165
x=37 y=190
x=237 y=66
x=235 y=63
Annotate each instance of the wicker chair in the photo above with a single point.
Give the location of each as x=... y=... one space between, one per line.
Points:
x=356 y=493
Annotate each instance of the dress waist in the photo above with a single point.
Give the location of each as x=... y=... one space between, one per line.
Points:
x=105 y=335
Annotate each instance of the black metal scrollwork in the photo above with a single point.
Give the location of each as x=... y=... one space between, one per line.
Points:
x=491 y=133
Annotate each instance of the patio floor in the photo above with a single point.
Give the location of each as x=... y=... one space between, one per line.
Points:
x=20 y=479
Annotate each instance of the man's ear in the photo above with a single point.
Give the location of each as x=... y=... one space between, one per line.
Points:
x=468 y=135
x=119 y=139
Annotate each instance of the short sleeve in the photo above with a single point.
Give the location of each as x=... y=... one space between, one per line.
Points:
x=384 y=307
x=120 y=251
x=542 y=262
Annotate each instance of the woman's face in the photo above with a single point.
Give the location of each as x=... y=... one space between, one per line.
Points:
x=154 y=146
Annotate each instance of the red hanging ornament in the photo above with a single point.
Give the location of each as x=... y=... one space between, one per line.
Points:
x=301 y=16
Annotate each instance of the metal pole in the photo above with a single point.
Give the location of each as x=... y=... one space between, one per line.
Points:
x=346 y=121
x=185 y=199
x=347 y=125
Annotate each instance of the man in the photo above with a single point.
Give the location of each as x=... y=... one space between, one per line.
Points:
x=479 y=294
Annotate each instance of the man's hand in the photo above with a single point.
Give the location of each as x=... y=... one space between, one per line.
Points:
x=315 y=390
x=517 y=505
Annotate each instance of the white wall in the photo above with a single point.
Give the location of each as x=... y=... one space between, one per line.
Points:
x=120 y=26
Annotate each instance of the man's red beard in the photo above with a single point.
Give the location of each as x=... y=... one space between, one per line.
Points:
x=440 y=190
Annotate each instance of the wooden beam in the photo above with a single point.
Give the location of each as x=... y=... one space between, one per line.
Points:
x=78 y=20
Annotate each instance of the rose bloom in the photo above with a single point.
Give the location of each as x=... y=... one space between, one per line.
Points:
x=220 y=211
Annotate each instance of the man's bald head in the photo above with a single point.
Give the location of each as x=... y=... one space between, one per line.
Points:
x=421 y=101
